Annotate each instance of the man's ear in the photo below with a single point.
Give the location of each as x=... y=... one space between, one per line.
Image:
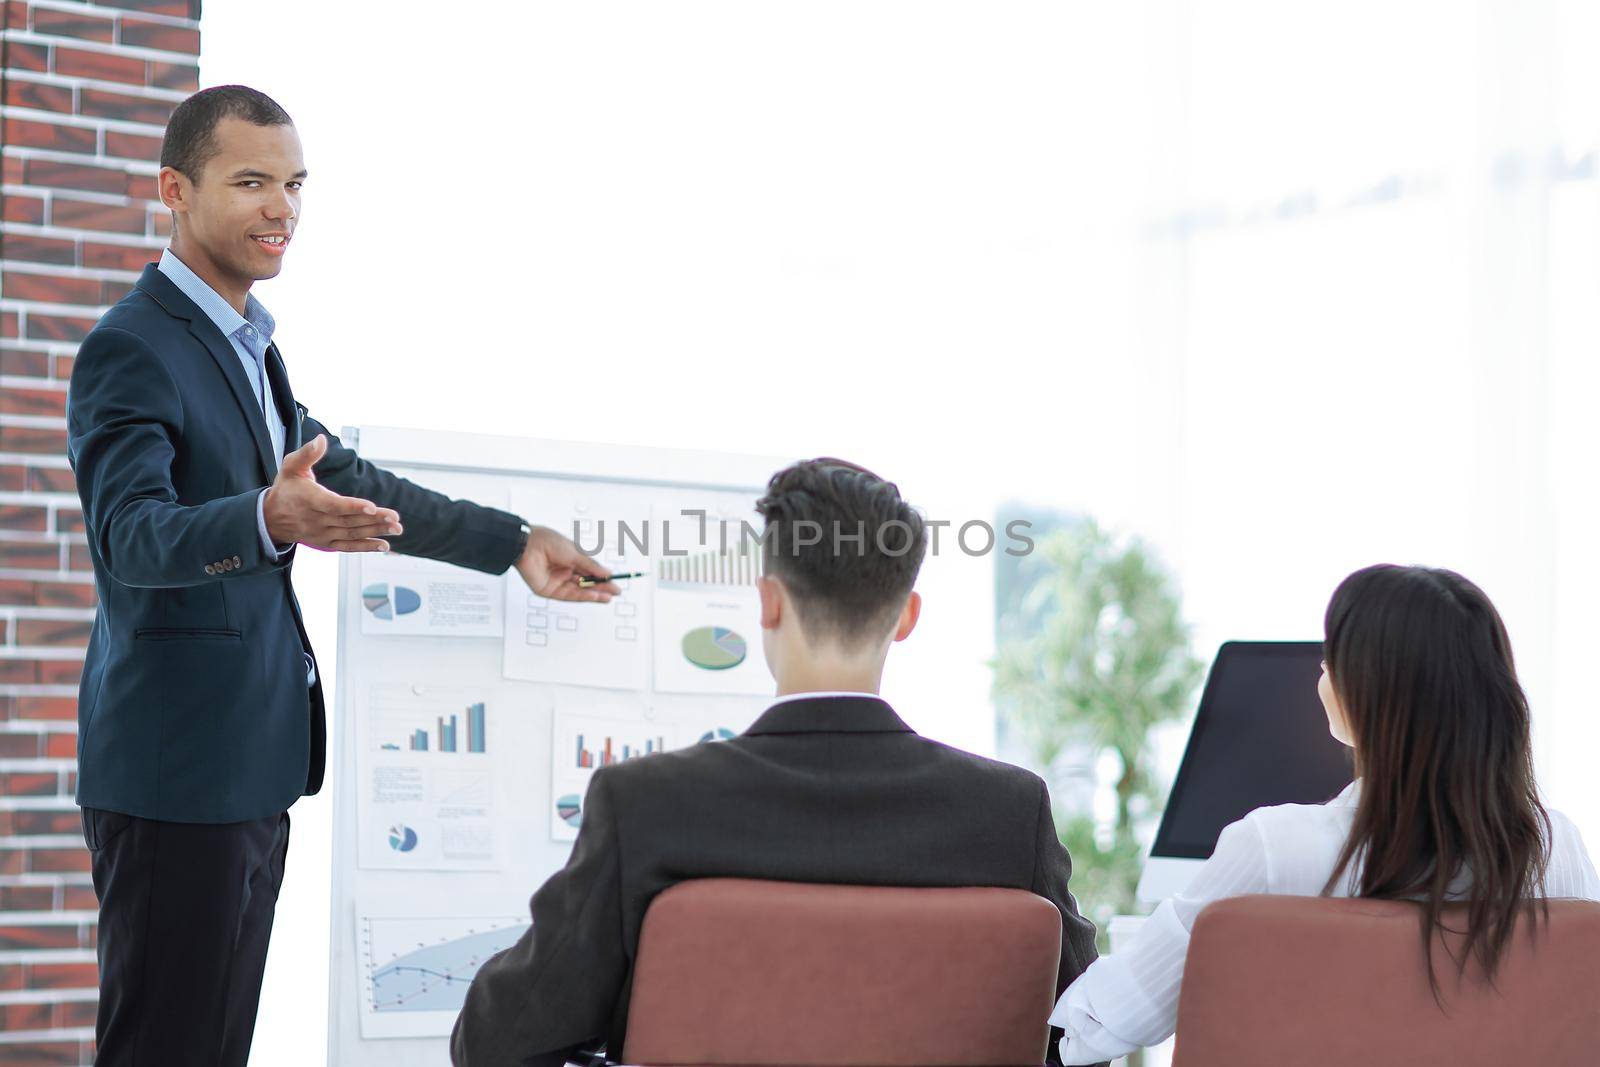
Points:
x=771 y=592
x=908 y=616
x=174 y=188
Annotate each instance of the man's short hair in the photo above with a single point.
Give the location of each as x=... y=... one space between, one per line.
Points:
x=844 y=545
x=191 y=140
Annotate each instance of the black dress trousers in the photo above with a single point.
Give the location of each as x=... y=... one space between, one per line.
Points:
x=185 y=916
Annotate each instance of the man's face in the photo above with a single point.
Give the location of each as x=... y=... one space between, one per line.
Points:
x=242 y=211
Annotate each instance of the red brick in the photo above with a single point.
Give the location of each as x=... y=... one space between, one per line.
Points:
x=88 y=215
x=19 y=363
x=8 y=324
x=33 y=439
x=64 y=975
x=51 y=480
x=78 y=558
x=79 y=898
x=72 y=1014
x=12 y=169
x=72 y=24
x=162 y=36
x=13 y=479
x=35 y=57
x=57 y=175
x=61 y=709
x=110 y=293
x=16 y=591
x=161 y=223
x=43 y=402
x=15 y=746
x=106 y=104
x=11 y=976
x=133 y=146
x=13 y=938
x=23 y=517
x=27 y=898
x=141 y=187
x=29 y=209
x=62 y=367
x=61 y=672
x=38 y=96
x=68 y=633
x=54 y=136
x=64 y=595
x=59 y=860
x=27 y=247
x=50 y=288
x=70 y=521
x=27 y=823
x=30 y=555
x=117 y=257
x=30 y=784
x=25 y=1016
x=184 y=77
x=52 y=327
x=102 y=66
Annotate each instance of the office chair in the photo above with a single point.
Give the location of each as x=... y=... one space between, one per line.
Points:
x=752 y=973
x=1322 y=982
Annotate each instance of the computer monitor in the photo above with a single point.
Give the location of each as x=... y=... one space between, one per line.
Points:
x=1260 y=737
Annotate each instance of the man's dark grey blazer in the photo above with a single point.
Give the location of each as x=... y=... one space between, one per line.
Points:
x=820 y=789
x=194 y=705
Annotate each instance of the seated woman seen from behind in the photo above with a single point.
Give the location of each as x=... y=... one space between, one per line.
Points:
x=1418 y=679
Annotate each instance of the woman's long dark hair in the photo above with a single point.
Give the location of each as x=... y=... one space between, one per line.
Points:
x=1421 y=665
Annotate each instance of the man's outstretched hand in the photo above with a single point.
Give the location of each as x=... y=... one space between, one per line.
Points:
x=298 y=509
x=552 y=564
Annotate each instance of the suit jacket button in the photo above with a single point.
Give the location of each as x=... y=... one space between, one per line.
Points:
x=236 y=562
x=210 y=569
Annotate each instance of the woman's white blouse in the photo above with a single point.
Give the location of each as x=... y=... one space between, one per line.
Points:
x=1130 y=1000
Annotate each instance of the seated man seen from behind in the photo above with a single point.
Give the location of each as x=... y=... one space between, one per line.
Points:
x=829 y=785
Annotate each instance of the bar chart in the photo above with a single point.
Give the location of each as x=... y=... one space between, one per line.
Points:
x=607 y=750
x=407 y=726
x=735 y=566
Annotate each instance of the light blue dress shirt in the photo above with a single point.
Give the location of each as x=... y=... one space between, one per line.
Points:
x=250 y=334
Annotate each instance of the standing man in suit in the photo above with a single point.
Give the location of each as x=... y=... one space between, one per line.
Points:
x=828 y=785
x=201 y=715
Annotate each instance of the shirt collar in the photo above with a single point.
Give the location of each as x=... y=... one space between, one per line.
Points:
x=830 y=712
x=218 y=310
x=1349 y=796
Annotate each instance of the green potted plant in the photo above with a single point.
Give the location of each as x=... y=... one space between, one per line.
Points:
x=1092 y=655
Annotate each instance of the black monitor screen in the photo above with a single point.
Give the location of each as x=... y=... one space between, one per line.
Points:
x=1260 y=737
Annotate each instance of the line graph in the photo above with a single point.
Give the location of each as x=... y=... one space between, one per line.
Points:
x=421 y=966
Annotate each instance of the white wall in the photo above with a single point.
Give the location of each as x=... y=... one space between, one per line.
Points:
x=1285 y=290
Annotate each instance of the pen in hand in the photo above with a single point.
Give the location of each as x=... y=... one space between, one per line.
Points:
x=585 y=581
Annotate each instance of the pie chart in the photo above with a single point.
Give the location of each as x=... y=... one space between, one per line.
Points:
x=402 y=838
x=376 y=599
x=714 y=648
x=570 y=808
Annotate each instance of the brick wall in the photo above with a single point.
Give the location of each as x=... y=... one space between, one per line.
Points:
x=85 y=89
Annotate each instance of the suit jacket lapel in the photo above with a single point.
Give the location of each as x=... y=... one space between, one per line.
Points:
x=163 y=291
x=288 y=409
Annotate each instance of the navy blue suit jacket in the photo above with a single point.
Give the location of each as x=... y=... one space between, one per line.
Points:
x=194 y=705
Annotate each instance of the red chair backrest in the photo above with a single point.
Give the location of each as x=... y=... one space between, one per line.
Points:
x=750 y=973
